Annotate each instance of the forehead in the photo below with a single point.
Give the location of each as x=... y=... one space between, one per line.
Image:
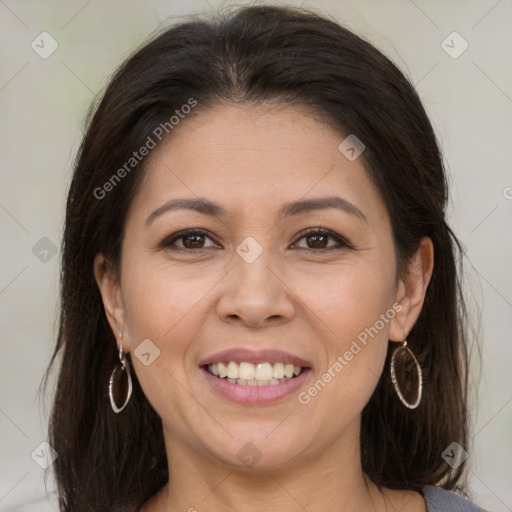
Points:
x=249 y=158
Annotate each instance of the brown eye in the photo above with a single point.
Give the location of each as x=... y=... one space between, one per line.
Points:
x=319 y=239
x=193 y=241
x=190 y=240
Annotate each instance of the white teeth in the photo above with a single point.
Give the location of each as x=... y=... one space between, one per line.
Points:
x=232 y=370
x=278 y=370
x=245 y=371
x=264 y=371
x=261 y=374
x=288 y=370
x=221 y=367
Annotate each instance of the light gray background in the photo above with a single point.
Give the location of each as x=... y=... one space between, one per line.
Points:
x=42 y=105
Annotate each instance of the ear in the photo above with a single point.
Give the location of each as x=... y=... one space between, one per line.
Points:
x=412 y=289
x=110 y=289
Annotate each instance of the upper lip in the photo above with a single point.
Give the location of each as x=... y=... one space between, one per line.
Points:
x=255 y=356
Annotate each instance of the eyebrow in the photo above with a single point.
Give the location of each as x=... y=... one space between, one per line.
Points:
x=207 y=207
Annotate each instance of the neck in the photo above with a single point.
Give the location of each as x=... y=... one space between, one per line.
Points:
x=324 y=479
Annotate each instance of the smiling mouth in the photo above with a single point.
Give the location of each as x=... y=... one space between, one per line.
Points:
x=248 y=374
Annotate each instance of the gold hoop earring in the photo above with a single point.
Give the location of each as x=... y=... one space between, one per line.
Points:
x=406 y=376
x=120 y=382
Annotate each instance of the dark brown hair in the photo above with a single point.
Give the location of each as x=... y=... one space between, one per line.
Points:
x=112 y=462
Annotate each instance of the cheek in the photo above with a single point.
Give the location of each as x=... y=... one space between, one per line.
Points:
x=354 y=308
x=169 y=310
x=160 y=300
x=360 y=306
x=350 y=300
x=153 y=307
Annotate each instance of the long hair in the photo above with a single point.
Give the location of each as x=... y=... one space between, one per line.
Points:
x=110 y=462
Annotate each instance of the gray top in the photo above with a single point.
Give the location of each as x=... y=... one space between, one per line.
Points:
x=441 y=500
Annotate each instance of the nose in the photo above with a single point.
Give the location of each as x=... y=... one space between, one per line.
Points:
x=256 y=294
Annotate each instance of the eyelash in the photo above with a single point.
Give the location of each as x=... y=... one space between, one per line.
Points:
x=342 y=243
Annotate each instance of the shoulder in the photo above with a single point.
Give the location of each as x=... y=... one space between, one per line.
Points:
x=441 y=500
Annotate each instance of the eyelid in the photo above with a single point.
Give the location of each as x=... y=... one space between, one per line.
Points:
x=342 y=242
x=170 y=240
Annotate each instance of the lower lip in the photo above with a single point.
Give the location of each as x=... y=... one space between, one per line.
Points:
x=255 y=395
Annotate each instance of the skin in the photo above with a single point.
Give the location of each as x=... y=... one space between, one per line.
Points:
x=294 y=297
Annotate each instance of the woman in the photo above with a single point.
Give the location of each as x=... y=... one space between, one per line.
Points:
x=260 y=295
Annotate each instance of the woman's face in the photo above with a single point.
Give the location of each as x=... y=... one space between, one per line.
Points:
x=254 y=283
